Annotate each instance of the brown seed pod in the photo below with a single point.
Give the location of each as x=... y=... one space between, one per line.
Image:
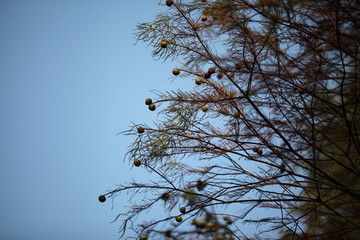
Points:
x=152 y=107
x=236 y=114
x=137 y=162
x=203 y=18
x=176 y=71
x=163 y=44
x=178 y=218
x=224 y=111
x=169 y=3
x=207 y=75
x=102 y=198
x=204 y=108
x=257 y=150
x=198 y=81
x=211 y=70
x=232 y=94
x=140 y=129
x=144 y=237
x=195 y=26
x=148 y=101
x=183 y=210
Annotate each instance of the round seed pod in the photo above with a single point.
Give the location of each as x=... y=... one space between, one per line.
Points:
x=178 y=218
x=140 y=129
x=148 y=101
x=183 y=210
x=137 y=162
x=176 y=71
x=102 y=198
x=163 y=44
x=257 y=150
x=198 y=81
x=207 y=75
x=211 y=70
x=169 y=3
x=195 y=26
x=152 y=107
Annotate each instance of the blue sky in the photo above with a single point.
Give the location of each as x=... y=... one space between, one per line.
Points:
x=70 y=80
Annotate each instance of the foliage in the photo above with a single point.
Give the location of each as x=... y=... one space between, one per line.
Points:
x=273 y=124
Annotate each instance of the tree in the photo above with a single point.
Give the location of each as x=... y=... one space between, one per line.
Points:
x=271 y=123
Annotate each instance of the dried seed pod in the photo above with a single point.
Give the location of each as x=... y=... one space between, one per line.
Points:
x=137 y=162
x=257 y=150
x=102 y=198
x=176 y=71
x=140 y=129
x=163 y=44
x=169 y=3
x=207 y=75
x=152 y=107
x=178 y=218
x=224 y=111
x=211 y=70
x=183 y=210
x=198 y=81
x=195 y=26
x=148 y=101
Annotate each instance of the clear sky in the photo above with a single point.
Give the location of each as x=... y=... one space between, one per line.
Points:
x=70 y=80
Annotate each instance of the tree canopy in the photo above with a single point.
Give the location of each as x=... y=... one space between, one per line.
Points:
x=271 y=122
